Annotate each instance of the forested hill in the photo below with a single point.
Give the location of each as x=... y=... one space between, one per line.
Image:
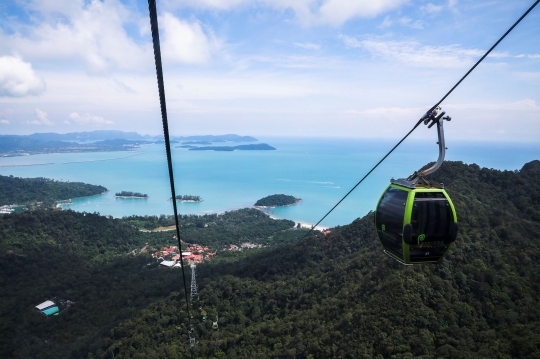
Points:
x=15 y=190
x=340 y=296
x=334 y=296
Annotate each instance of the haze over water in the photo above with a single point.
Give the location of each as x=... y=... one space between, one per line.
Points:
x=319 y=171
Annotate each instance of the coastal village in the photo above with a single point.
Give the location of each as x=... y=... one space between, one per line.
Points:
x=193 y=254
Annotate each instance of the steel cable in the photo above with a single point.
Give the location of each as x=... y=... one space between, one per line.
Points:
x=161 y=88
x=407 y=135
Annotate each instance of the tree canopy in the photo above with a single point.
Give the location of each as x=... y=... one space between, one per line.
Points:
x=276 y=200
x=16 y=190
x=130 y=194
x=335 y=296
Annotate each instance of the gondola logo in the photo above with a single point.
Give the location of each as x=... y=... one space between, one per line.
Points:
x=421 y=238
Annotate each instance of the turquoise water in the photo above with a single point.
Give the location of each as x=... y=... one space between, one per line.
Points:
x=320 y=171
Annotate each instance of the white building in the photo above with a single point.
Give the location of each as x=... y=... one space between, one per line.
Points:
x=167 y=263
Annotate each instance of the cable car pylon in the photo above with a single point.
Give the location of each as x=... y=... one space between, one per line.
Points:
x=192 y=342
x=193 y=283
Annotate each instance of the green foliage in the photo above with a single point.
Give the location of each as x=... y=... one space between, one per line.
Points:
x=15 y=190
x=277 y=200
x=130 y=194
x=217 y=230
x=188 y=197
x=334 y=296
x=340 y=296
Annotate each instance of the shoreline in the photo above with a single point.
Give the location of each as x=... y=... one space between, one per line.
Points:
x=131 y=197
x=303 y=224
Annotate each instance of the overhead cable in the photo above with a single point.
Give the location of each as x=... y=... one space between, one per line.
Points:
x=161 y=88
x=407 y=135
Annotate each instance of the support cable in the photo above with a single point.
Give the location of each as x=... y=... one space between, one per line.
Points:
x=161 y=87
x=407 y=135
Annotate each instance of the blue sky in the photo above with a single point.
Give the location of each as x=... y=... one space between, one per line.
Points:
x=335 y=68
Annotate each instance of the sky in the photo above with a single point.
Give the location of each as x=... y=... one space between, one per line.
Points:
x=315 y=68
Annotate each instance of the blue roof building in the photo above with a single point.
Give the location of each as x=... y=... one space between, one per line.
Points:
x=48 y=308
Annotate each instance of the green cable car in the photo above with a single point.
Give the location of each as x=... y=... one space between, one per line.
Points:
x=415 y=219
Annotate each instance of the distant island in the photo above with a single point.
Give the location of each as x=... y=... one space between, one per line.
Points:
x=199 y=142
x=26 y=145
x=97 y=141
x=188 y=198
x=218 y=138
x=276 y=200
x=129 y=194
x=254 y=147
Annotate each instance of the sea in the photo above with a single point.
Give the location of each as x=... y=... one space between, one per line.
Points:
x=319 y=171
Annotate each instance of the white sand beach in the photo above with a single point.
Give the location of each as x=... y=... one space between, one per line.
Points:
x=304 y=224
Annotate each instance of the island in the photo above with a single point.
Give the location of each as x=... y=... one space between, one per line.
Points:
x=199 y=142
x=276 y=200
x=217 y=138
x=43 y=191
x=129 y=194
x=254 y=147
x=188 y=198
x=25 y=145
x=98 y=141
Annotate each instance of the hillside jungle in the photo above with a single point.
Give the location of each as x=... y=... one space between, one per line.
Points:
x=335 y=296
x=30 y=191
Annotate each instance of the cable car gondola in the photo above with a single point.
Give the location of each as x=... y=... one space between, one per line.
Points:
x=415 y=219
x=215 y=324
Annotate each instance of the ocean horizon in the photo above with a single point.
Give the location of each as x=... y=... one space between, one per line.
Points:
x=320 y=171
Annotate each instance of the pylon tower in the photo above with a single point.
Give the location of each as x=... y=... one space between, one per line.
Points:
x=193 y=283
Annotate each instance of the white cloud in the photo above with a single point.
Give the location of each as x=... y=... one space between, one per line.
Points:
x=307 y=45
x=527 y=76
x=92 y=32
x=205 y=4
x=308 y=12
x=89 y=119
x=415 y=54
x=4 y=122
x=498 y=54
x=387 y=22
x=184 y=42
x=534 y=56
x=18 y=79
x=523 y=105
x=42 y=118
x=392 y=112
x=405 y=21
x=337 y=12
x=123 y=87
x=431 y=8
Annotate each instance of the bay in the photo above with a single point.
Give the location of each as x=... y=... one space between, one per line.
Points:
x=320 y=171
